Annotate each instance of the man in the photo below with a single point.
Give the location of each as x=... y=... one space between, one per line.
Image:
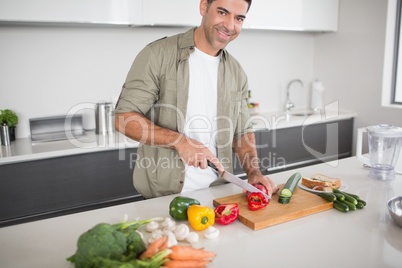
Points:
x=185 y=101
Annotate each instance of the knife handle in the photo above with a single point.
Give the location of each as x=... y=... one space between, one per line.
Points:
x=211 y=165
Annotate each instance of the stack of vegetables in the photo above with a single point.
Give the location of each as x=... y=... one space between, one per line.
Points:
x=344 y=201
x=120 y=245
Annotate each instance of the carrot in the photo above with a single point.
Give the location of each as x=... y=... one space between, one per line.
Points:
x=164 y=245
x=180 y=252
x=186 y=263
x=154 y=248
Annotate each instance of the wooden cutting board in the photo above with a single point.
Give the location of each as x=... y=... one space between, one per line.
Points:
x=301 y=204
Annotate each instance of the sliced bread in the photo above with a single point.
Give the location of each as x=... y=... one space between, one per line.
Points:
x=321 y=182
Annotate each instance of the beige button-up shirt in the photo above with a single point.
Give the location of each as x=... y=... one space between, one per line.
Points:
x=157 y=87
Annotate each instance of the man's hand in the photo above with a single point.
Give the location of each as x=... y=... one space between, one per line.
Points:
x=196 y=154
x=257 y=177
x=245 y=149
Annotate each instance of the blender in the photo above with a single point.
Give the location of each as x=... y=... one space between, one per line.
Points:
x=384 y=143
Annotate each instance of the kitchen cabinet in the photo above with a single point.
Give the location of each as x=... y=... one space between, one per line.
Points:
x=38 y=189
x=294 y=15
x=295 y=147
x=124 y=12
x=174 y=13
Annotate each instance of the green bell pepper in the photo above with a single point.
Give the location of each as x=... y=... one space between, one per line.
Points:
x=179 y=205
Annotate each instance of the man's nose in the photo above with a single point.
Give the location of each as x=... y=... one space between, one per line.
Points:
x=229 y=23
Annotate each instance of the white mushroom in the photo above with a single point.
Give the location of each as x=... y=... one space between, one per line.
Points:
x=211 y=232
x=192 y=237
x=152 y=226
x=156 y=234
x=171 y=238
x=181 y=231
x=169 y=224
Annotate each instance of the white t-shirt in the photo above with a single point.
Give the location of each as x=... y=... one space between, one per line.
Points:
x=201 y=124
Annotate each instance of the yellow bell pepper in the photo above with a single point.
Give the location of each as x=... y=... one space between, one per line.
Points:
x=200 y=218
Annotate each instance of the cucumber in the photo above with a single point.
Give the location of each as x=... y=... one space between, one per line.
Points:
x=349 y=204
x=288 y=189
x=353 y=195
x=341 y=206
x=340 y=197
x=284 y=200
x=347 y=197
x=362 y=201
x=359 y=205
x=328 y=196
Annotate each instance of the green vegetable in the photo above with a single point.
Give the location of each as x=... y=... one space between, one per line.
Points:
x=339 y=196
x=155 y=261
x=347 y=197
x=362 y=201
x=341 y=206
x=288 y=189
x=353 y=195
x=179 y=205
x=359 y=205
x=328 y=196
x=117 y=242
x=351 y=205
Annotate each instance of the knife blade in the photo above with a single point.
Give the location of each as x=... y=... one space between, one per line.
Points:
x=236 y=180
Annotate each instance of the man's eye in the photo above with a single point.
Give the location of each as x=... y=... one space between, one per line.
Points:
x=240 y=19
x=222 y=13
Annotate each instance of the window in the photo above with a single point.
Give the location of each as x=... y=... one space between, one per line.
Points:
x=392 y=76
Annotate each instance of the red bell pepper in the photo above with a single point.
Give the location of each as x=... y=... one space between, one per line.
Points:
x=226 y=213
x=257 y=200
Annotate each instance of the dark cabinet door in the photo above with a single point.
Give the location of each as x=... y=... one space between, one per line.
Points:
x=43 y=188
x=288 y=148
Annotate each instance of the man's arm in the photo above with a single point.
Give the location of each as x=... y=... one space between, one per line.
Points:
x=141 y=129
x=245 y=149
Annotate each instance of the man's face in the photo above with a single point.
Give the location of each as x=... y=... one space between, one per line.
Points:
x=222 y=21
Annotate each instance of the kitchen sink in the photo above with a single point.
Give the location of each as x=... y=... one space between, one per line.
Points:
x=302 y=114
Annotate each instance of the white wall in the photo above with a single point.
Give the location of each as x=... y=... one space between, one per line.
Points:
x=350 y=62
x=47 y=70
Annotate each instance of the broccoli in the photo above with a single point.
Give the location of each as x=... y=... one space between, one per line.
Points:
x=118 y=242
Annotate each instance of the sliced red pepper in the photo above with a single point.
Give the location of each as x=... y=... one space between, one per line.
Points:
x=257 y=200
x=226 y=213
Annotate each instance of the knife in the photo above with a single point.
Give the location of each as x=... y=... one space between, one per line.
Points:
x=236 y=180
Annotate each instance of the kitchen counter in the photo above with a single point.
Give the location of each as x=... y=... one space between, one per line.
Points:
x=361 y=238
x=24 y=149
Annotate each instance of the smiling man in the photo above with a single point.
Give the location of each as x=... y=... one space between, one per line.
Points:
x=185 y=101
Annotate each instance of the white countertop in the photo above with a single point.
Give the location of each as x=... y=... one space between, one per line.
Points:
x=24 y=149
x=299 y=117
x=361 y=238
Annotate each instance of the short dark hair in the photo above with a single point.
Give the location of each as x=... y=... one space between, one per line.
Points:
x=248 y=1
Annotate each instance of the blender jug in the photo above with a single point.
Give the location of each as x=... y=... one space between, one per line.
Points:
x=384 y=142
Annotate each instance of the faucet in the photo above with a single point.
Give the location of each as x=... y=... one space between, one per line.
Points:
x=289 y=105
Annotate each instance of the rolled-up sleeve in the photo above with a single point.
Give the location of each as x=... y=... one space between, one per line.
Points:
x=141 y=88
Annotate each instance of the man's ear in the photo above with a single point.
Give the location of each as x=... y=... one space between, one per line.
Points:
x=203 y=7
